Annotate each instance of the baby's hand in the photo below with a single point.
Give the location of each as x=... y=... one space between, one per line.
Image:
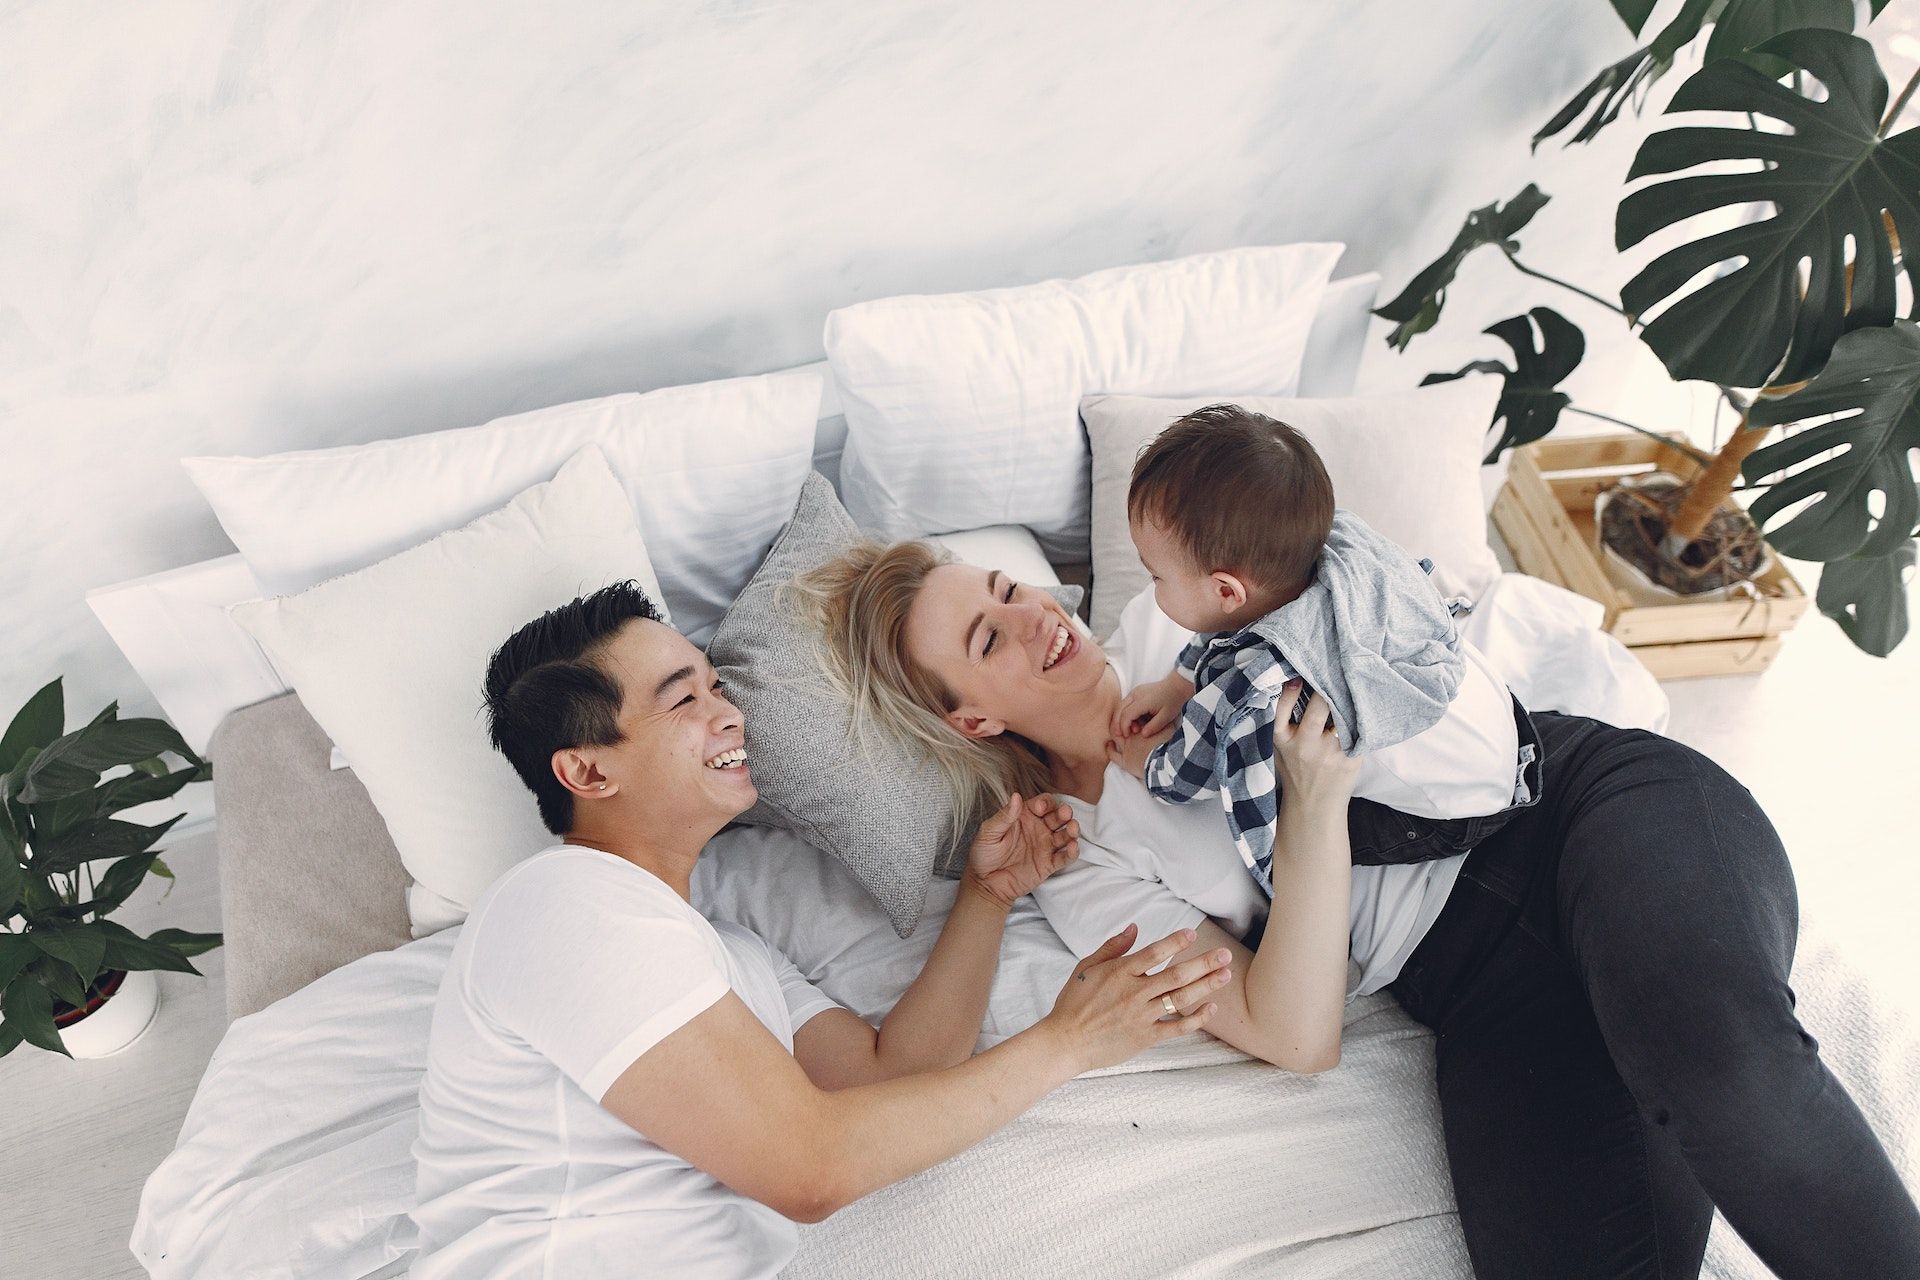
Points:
x=1131 y=752
x=1151 y=708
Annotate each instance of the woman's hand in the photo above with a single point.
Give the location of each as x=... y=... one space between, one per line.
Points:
x=1112 y=1008
x=1307 y=756
x=1021 y=845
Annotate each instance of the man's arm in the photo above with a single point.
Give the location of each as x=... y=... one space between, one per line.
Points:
x=723 y=1095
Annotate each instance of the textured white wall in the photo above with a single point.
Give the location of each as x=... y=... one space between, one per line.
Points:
x=241 y=228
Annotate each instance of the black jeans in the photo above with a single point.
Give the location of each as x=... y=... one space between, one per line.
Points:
x=1616 y=1045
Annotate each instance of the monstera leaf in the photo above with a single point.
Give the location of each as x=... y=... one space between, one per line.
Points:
x=1418 y=306
x=1529 y=404
x=1738 y=26
x=1867 y=596
x=1829 y=179
x=1873 y=383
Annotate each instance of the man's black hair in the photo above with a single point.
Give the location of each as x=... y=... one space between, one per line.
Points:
x=546 y=690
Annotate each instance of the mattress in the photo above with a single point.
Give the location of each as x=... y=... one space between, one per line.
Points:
x=294 y=1159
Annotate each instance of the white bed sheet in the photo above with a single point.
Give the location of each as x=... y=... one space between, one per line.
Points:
x=294 y=1157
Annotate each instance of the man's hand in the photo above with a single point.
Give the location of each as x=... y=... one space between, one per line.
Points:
x=1021 y=845
x=1131 y=753
x=1151 y=708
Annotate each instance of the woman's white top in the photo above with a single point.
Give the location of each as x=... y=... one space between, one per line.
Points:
x=1166 y=867
x=571 y=966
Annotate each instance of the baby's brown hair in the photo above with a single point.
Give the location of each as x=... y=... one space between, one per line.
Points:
x=1241 y=492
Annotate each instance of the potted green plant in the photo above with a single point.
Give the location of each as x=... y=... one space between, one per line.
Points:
x=72 y=980
x=1792 y=312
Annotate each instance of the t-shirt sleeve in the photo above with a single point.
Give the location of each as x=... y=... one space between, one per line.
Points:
x=592 y=969
x=1088 y=902
x=804 y=1000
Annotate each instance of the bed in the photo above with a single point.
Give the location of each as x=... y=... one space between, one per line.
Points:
x=1191 y=1160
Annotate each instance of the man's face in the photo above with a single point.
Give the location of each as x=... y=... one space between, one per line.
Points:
x=683 y=760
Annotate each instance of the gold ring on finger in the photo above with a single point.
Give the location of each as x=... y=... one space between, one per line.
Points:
x=1166 y=1002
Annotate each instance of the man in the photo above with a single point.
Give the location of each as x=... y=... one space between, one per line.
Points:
x=613 y=1082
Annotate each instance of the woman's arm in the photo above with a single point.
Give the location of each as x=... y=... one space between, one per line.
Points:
x=1287 y=1002
x=936 y=1023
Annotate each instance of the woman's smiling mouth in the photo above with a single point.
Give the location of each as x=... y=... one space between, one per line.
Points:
x=1065 y=645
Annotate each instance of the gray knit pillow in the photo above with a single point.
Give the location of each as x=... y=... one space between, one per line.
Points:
x=886 y=821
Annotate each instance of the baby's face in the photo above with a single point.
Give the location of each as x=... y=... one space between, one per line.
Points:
x=1184 y=591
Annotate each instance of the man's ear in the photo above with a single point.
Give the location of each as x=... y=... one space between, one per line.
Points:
x=975 y=726
x=1229 y=592
x=581 y=776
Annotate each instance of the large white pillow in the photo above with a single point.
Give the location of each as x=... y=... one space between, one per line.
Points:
x=391 y=661
x=963 y=408
x=1407 y=462
x=1338 y=338
x=711 y=469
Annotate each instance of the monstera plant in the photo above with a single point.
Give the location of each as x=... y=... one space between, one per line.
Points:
x=1799 y=321
x=66 y=861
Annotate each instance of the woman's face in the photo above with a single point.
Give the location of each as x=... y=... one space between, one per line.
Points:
x=1005 y=649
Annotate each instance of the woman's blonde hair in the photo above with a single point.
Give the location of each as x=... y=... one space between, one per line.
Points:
x=859 y=602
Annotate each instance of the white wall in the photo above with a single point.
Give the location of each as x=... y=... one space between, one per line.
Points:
x=239 y=228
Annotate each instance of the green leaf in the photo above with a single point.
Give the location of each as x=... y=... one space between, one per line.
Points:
x=38 y=723
x=1419 y=304
x=62 y=979
x=1744 y=25
x=1873 y=384
x=1686 y=24
x=80 y=945
x=11 y=876
x=127 y=950
x=131 y=789
x=1867 y=596
x=16 y=953
x=76 y=761
x=1827 y=180
x=1613 y=88
x=94 y=839
x=1634 y=12
x=1529 y=403
x=121 y=879
x=187 y=944
x=9 y=1039
x=28 y=1008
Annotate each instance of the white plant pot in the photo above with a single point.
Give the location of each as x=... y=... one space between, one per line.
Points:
x=1641 y=589
x=118 y=1022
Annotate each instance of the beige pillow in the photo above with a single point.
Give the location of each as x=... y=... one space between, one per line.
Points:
x=1406 y=462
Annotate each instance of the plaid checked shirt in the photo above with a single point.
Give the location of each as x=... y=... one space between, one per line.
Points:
x=1224 y=742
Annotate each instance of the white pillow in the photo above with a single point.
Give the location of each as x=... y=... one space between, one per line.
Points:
x=391 y=660
x=963 y=409
x=711 y=469
x=1407 y=462
x=1339 y=336
x=1008 y=547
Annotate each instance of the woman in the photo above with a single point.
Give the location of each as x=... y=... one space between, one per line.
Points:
x=1616 y=1046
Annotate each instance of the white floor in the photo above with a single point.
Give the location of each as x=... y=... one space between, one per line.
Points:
x=1824 y=739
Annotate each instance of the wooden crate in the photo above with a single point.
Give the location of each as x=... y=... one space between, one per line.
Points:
x=1545 y=514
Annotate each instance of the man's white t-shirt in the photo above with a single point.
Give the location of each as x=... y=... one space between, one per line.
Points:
x=571 y=966
x=1165 y=866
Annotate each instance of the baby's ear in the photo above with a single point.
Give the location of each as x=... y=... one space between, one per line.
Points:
x=1229 y=590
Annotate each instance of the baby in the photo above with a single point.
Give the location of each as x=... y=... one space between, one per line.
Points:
x=1233 y=515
